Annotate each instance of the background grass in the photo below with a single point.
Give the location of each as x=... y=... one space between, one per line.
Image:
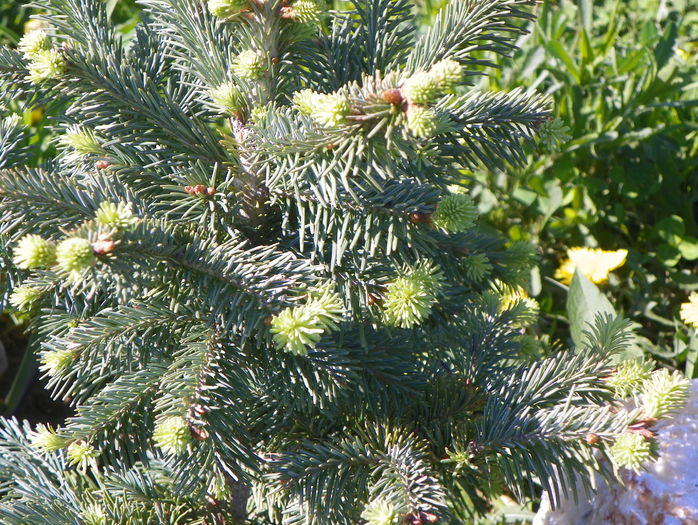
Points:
x=623 y=78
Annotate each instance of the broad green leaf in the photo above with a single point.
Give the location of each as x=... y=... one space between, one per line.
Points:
x=589 y=140
x=586 y=8
x=671 y=229
x=691 y=370
x=587 y=50
x=613 y=30
x=556 y=49
x=665 y=49
x=668 y=255
x=633 y=60
x=525 y=196
x=110 y=6
x=551 y=201
x=689 y=248
x=584 y=302
x=648 y=33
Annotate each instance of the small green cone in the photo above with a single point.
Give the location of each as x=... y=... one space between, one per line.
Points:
x=33 y=43
x=172 y=435
x=75 y=255
x=32 y=251
x=250 y=65
x=421 y=122
x=226 y=8
x=421 y=88
x=45 y=65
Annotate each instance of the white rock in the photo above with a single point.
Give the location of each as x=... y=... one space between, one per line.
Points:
x=666 y=494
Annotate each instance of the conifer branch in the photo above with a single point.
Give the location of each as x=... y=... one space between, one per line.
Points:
x=463 y=28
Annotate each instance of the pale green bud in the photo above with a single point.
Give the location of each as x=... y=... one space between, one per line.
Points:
x=172 y=435
x=326 y=305
x=429 y=275
x=629 y=377
x=330 y=110
x=308 y=11
x=32 y=251
x=24 y=297
x=410 y=297
x=93 y=514
x=258 y=114
x=55 y=362
x=81 y=454
x=455 y=213
x=304 y=101
x=663 y=393
x=295 y=329
x=82 y=141
x=447 y=74
x=227 y=98
x=380 y=512
x=45 y=65
x=420 y=88
x=33 y=42
x=75 y=255
x=406 y=303
x=250 y=65
x=45 y=439
x=226 y=8
x=422 y=122
x=112 y=215
x=632 y=451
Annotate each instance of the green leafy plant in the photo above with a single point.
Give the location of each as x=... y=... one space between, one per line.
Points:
x=617 y=166
x=249 y=271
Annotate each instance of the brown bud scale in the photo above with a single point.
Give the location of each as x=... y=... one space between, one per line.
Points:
x=592 y=439
x=373 y=299
x=200 y=434
x=393 y=97
x=103 y=247
x=416 y=217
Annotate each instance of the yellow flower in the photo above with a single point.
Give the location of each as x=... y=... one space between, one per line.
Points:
x=683 y=54
x=595 y=264
x=689 y=310
x=36 y=115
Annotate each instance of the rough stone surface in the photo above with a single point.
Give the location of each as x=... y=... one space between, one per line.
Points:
x=667 y=494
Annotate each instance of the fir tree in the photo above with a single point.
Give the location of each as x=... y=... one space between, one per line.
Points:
x=250 y=273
